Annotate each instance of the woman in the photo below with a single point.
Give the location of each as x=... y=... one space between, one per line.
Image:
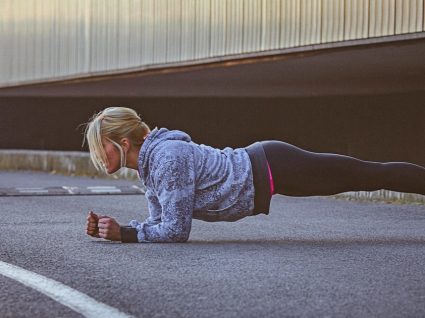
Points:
x=185 y=180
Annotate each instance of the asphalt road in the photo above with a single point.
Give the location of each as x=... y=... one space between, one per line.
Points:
x=311 y=257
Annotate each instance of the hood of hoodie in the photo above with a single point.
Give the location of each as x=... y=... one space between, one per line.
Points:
x=155 y=137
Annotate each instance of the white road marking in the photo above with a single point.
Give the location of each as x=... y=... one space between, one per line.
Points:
x=70 y=189
x=67 y=296
x=101 y=187
x=106 y=190
x=33 y=191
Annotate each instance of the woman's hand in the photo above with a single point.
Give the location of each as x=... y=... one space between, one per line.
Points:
x=92 y=221
x=109 y=228
x=103 y=227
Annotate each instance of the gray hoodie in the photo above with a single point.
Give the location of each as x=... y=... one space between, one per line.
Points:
x=185 y=180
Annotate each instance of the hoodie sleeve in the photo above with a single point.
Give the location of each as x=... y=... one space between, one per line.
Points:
x=174 y=182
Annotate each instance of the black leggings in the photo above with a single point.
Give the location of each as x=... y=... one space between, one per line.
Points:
x=297 y=172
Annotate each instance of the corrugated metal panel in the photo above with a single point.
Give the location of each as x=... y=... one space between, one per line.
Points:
x=134 y=33
x=290 y=24
x=251 y=25
x=147 y=32
x=311 y=11
x=188 y=24
x=174 y=19
x=160 y=32
x=18 y=44
x=356 y=19
x=5 y=50
x=218 y=27
x=382 y=17
x=270 y=24
x=419 y=15
x=39 y=62
x=402 y=18
x=98 y=37
x=332 y=20
x=60 y=38
x=234 y=26
x=203 y=29
x=125 y=31
x=112 y=41
x=409 y=16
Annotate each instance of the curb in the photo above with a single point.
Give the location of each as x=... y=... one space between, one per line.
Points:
x=383 y=196
x=77 y=163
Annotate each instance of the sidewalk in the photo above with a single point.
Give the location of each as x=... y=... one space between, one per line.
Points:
x=77 y=163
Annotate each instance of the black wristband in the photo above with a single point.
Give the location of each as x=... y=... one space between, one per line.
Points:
x=128 y=234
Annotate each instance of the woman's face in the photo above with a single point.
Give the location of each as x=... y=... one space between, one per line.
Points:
x=113 y=156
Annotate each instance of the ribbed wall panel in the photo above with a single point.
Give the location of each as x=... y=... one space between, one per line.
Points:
x=203 y=28
x=6 y=29
x=419 y=15
x=174 y=21
x=251 y=25
x=124 y=36
x=188 y=27
x=52 y=39
x=382 y=17
x=234 y=27
x=311 y=28
x=409 y=16
x=218 y=27
x=160 y=28
x=134 y=29
x=356 y=19
x=270 y=38
x=290 y=28
x=146 y=32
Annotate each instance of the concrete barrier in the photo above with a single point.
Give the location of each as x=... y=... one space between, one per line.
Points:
x=63 y=162
x=383 y=195
x=77 y=163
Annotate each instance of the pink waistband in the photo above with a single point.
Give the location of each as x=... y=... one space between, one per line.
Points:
x=271 y=179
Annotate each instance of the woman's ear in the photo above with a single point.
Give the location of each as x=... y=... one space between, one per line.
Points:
x=125 y=144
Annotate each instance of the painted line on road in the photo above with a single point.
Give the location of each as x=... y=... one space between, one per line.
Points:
x=101 y=187
x=69 y=190
x=65 y=295
x=33 y=191
x=104 y=189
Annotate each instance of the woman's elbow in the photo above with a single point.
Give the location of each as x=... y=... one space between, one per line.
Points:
x=178 y=237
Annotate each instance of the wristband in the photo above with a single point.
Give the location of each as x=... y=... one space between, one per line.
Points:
x=128 y=234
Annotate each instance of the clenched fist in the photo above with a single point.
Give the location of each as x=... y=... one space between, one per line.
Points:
x=103 y=227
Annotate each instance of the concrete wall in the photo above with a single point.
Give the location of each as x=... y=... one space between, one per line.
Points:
x=384 y=127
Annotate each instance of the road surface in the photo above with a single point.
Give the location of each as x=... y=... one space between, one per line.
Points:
x=311 y=257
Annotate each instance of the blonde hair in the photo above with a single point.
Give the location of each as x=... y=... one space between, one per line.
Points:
x=113 y=124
